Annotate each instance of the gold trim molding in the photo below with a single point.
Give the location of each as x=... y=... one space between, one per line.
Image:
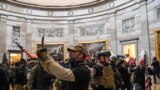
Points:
x=156 y=44
x=95 y=41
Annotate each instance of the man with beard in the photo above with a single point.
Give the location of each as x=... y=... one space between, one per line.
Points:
x=77 y=77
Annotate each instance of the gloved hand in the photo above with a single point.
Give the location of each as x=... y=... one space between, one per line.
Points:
x=42 y=52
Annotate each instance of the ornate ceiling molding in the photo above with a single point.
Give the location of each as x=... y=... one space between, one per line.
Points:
x=53 y=7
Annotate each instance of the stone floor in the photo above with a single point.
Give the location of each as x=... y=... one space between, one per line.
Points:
x=155 y=86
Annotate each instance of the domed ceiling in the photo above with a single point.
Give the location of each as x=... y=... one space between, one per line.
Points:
x=57 y=4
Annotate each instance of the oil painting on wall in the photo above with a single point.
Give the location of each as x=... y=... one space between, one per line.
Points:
x=93 y=48
x=55 y=50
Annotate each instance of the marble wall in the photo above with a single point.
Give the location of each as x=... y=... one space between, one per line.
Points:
x=118 y=22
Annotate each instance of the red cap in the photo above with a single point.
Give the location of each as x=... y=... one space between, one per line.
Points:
x=141 y=62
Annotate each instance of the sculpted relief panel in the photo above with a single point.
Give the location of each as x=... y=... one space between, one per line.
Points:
x=91 y=30
x=50 y=32
x=158 y=13
x=15 y=36
x=128 y=25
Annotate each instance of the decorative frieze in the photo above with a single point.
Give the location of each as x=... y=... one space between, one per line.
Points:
x=91 y=30
x=158 y=13
x=50 y=32
x=128 y=25
x=15 y=36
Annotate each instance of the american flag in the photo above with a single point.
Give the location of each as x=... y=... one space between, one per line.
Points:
x=148 y=80
x=29 y=54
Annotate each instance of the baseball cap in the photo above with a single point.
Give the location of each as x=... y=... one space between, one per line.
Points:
x=77 y=48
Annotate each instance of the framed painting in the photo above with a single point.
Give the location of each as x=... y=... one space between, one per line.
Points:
x=56 y=50
x=94 y=47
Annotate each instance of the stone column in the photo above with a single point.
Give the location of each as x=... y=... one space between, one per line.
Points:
x=144 y=38
x=29 y=41
x=26 y=36
x=113 y=36
x=71 y=33
x=3 y=30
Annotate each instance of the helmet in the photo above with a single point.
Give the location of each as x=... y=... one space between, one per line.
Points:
x=114 y=58
x=104 y=53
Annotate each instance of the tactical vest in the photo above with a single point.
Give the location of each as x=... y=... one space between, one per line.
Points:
x=43 y=80
x=107 y=78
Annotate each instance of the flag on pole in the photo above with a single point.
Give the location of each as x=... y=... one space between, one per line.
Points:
x=148 y=80
x=29 y=54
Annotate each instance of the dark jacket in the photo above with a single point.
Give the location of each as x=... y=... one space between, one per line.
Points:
x=20 y=75
x=156 y=66
x=82 y=76
x=139 y=76
x=4 y=79
x=125 y=75
x=42 y=80
x=39 y=79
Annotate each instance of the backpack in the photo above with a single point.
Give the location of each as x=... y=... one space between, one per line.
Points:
x=42 y=79
x=20 y=75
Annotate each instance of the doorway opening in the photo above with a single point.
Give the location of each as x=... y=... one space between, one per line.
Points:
x=130 y=49
x=15 y=55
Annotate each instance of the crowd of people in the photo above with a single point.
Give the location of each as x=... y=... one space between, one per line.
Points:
x=104 y=72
